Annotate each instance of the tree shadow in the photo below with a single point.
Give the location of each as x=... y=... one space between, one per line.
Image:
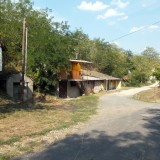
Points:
x=98 y=145
x=9 y=106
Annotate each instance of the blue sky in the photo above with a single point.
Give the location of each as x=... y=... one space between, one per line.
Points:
x=110 y=19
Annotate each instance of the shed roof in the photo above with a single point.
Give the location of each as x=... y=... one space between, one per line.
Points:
x=5 y=76
x=98 y=75
x=91 y=78
x=79 y=61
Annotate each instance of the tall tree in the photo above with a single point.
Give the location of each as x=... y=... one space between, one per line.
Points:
x=49 y=42
x=152 y=55
x=81 y=45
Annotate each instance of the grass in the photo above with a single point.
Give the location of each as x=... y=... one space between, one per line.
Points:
x=23 y=126
x=2 y=157
x=9 y=141
x=151 y=95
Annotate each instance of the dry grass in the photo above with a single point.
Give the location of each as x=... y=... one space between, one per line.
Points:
x=23 y=126
x=151 y=95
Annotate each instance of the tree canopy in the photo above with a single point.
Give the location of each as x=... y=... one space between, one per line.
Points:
x=52 y=43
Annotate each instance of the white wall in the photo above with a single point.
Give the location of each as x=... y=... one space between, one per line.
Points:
x=119 y=85
x=16 y=78
x=72 y=91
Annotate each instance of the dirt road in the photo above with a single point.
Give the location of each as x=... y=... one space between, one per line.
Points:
x=123 y=129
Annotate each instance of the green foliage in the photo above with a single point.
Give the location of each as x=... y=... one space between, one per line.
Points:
x=51 y=44
x=10 y=141
x=157 y=74
x=82 y=45
x=108 y=58
x=151 y=54
x=143 y=66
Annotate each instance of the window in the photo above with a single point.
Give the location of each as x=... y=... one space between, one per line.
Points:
x=73 y=83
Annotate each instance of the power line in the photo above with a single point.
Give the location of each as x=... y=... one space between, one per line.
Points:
x=134 y=32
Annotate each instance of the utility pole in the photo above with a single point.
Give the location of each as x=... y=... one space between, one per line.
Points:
x=26 y=50
x=1 y=58
x=23 y=57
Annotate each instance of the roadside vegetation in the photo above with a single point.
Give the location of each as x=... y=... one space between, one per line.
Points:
x=151 y=95
x=29 y=127
x=52 y=43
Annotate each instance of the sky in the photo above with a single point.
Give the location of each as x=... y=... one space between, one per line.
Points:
x=111 y=19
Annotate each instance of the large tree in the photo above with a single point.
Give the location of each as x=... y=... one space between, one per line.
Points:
x=152 y=55
x=49 y=42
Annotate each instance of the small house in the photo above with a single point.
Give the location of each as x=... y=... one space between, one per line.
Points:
x=79 y=81
x=108 y=82
x=11 y=84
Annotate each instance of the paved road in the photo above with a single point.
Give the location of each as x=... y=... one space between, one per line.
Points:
x=123 y=129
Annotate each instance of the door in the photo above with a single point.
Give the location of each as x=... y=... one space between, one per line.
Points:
x=63 y=89
x=16 y=91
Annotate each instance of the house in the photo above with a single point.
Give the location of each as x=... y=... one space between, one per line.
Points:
x=109 y=82
x=11 y=84
x=79 y=81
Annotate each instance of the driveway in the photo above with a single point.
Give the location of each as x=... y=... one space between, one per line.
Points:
x=123 y=129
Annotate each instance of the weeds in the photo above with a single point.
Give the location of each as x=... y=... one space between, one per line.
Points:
x=10 y=141
x=20 y=124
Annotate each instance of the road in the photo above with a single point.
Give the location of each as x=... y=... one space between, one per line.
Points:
x=123 y=129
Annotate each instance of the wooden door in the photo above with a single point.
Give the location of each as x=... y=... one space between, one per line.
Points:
x=63 y=89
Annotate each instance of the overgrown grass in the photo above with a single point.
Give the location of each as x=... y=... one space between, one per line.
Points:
x=10 y=141
x=3 y=157
x=20 y=122
x=151 y=95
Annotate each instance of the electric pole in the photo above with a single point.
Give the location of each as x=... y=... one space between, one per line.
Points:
x=23 y=57
x=26 y=34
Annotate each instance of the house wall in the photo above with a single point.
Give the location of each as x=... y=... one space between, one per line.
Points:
x=15 y=79
x=76 y=68
x=89 y=86
x=28 y=88
x=72 y=91
x=114 y=84
x=119 y=85
x=99 y=86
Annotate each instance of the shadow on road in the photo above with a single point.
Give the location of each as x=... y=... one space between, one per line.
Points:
x=97 y=145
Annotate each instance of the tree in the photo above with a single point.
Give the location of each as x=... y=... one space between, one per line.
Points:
x=152 y=55
x=142 y=69
x=49 y=42
x=109 y=58
x=81 y=45
x=157 y=74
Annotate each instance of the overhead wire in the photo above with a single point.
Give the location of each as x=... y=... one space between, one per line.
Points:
x=138 y=30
